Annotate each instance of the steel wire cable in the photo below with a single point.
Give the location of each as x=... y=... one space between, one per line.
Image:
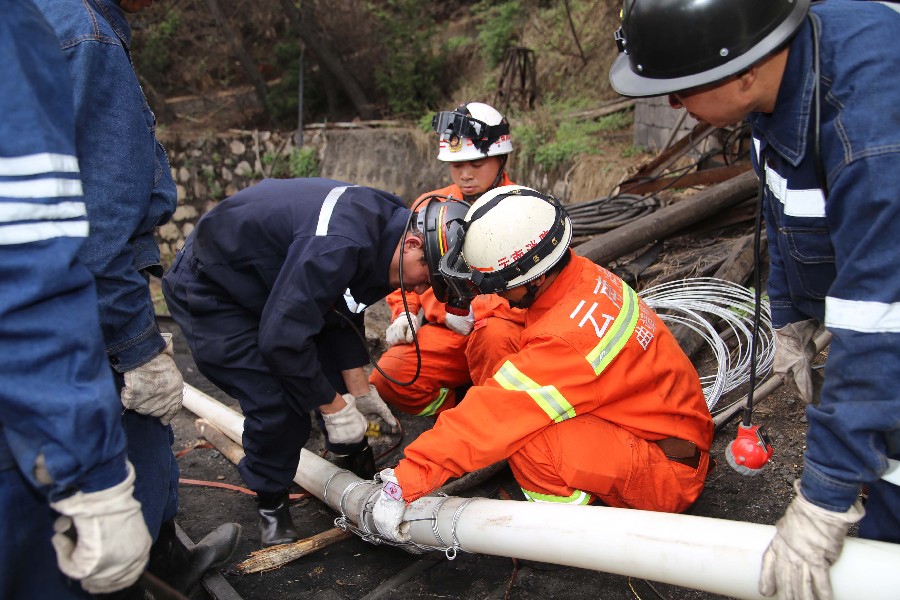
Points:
x=707 y=305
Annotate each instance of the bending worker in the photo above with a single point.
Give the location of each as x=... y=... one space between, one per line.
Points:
x=456 y=349
x=599 y=403
x=258 y=290
x=823 y=99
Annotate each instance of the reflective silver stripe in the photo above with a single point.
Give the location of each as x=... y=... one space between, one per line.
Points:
x=35 y=232
x=328 y=208
x=546 y=396
x=35 y=164
x=26 y=211
x=51 y=187
x=862 y=316
x=797 y=203
x=354 y=306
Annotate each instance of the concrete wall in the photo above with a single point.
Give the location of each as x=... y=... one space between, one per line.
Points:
x=654 y=121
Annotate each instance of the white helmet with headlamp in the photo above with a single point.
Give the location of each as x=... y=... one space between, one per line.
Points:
x=512 y=235
x=471 y=132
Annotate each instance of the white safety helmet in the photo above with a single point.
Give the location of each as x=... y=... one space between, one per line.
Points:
x=511 y=236
x=471 y=132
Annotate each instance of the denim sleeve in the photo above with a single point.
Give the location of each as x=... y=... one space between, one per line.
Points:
x=849 y=434
x=128 y=192
x=57 y=399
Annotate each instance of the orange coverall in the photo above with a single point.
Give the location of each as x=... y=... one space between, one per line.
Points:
x=578 y=409
x=449 y=360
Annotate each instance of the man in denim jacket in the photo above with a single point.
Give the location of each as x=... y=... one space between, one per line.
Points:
x=819 y=85
x=63 y=468
x=129 y=191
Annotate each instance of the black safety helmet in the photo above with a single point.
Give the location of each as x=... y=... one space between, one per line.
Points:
x=672 y=45
x=440 y=221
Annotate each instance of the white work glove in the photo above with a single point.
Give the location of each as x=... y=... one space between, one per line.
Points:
x=371 y=405
x=795 y=351
x=389 y=509
x=155 y=388
x=460 y=324
x=808 y=539
x=111 y=543
x=346 y=426
x=399 y=332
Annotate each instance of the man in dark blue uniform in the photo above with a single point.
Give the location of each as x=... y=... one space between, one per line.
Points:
x=819 y=86
x=259 y=291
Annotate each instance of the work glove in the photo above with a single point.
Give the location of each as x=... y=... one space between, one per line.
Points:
x=371 y=405
x=795 y=351
x=155 y=388
x=346 y=426
x=101 y=538
x=399 y=332
x=808 y=539
x=389 y=508
x=460 y=324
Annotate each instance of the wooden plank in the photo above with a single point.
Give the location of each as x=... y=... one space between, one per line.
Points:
x=666 y=221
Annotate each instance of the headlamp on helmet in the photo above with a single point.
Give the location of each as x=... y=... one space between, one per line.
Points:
x=458 y=125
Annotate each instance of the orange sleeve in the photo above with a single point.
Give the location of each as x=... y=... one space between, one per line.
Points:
x=395 y=303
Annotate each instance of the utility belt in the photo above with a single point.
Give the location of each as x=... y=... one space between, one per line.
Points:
x=680 y=451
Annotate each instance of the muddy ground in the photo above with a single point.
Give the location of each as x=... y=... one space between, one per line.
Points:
x=353 y=569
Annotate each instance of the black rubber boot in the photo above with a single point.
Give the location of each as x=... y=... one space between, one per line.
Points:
x=275 y=523
x=361 y=463
x=182 y=568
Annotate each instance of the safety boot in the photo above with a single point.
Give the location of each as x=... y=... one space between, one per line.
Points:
x=182 y=567
x=275 y=523
x=361 y=463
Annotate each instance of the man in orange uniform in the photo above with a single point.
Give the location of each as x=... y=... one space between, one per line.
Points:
x=455 y=350
x=599 y=402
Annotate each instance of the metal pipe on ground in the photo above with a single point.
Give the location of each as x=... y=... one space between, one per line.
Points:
x=714 y=555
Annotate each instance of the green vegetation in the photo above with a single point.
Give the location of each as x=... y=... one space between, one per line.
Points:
x=553 y=135
x=156 y=57
x=303 y=162
x=300 y=162
x=500 y=28
x=411 y=72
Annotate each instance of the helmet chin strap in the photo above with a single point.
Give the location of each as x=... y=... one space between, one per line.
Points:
x=531 y=290
x=497 y=181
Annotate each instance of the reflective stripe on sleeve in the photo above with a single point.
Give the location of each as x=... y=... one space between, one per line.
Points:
x=616 y=336
x=36 y=164
x=577 y=497
x=25 y=233
x=27 y=211
x=328 y=208
x=862 y=316
x=53 y=187
x=546 y=396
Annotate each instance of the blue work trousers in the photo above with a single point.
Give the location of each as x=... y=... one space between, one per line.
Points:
x=149 y=447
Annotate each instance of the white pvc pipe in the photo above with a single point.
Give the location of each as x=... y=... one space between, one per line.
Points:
x=714 y=555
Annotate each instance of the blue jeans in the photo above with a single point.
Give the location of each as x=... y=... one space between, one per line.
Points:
x=156 y=470
x=28 y=569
